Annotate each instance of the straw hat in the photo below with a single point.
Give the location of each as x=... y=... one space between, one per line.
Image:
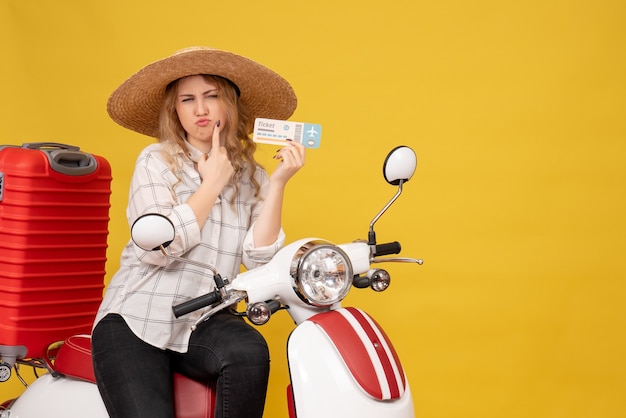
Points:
x=136 y=103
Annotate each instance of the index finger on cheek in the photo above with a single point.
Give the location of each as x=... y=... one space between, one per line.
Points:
x=216 y=134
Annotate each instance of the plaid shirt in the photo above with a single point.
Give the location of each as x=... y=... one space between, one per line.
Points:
x=147 y=285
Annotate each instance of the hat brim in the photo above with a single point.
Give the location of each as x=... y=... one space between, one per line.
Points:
x=136 y=103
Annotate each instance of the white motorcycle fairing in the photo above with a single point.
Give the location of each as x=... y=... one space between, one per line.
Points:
x=343 y=365
x=61 y=397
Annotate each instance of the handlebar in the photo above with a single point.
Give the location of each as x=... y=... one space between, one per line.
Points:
x=388 y=248
x=196 y=303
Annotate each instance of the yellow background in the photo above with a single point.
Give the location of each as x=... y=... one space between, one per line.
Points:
x=516 y=112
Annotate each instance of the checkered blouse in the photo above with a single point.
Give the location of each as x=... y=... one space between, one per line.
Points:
x=146 y=286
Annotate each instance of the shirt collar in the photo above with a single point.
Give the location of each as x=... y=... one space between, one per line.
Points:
x=193 y=153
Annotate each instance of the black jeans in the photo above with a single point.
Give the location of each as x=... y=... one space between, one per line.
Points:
x=135 y=378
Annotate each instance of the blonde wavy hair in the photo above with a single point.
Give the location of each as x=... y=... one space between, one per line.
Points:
x=235 y=134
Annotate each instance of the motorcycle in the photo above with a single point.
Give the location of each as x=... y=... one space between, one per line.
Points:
x=341 y=362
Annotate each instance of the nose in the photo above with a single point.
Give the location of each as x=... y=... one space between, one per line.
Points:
x=201 y=109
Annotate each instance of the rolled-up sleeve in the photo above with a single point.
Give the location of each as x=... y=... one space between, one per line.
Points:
x=187 y=236
x=151 y=191
x=255 y=256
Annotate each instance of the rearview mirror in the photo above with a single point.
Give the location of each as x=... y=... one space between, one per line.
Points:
x=152 y=231
x=399 y=165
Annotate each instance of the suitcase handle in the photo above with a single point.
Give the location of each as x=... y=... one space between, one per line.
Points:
x=40 y=145
x=65 y=159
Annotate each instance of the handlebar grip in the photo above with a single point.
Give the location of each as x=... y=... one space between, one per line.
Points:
x=196 y=303
x=388 y=248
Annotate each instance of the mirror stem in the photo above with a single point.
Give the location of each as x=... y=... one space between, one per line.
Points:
x=371 y=236
x=188 y=261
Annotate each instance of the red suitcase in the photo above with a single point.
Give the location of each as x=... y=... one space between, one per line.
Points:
x=54 y=215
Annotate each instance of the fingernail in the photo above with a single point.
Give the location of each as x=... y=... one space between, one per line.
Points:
x=218 y=123
x=289 y=139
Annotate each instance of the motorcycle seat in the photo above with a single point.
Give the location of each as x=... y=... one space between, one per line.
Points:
x=191 y=399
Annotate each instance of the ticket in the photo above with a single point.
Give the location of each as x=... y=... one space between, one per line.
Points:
x=277 y=132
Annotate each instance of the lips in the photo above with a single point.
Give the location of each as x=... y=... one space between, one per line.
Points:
x=203 y=122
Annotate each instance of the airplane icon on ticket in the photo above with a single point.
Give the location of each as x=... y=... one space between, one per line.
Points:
x=312 y=132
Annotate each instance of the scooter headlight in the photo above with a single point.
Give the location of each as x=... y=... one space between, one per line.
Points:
x=322 y=273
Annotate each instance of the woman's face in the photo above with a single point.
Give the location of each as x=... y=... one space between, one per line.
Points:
x=199 y=108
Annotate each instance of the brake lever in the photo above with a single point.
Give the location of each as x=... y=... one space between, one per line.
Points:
x=397 y=260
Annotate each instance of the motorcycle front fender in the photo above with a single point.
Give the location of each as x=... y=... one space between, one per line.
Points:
x=342 y=364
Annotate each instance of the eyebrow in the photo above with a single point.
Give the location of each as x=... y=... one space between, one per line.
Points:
x=191 y=94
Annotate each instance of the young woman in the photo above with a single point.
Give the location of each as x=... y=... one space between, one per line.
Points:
x=200 y=103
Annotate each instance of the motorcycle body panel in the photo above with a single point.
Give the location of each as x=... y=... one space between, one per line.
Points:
x=359 y=376
x=273 y=281
x=59 y=397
